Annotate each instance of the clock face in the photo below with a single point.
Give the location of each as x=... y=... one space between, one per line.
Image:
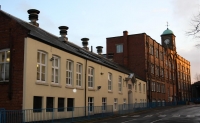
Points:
x=167 y=41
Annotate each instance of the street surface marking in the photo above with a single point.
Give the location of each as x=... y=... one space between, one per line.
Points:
x=155 y=121
x=123 y=116
x=135 y=115
x=148 y=116
x=176 y=115
x=162 y=116
x=128 y=121
x=190 y=116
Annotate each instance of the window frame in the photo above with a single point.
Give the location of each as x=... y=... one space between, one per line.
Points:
x=115 y=103
x=109 y=81
x=104 y=102
x=90 y=77
x=120 y=84
x=91 y=101
x=54 y=77
x=69 y=72
x=119 y=48
x=40 y=65
x=4 y=65
x=79 y=69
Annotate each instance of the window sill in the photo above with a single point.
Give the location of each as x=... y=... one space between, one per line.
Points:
x=56 y=85
x=110 y=91
x=68 y=86
x=42 y=83
x=79 y=88
x=4 y=82
x=120 y=92
x=91 y=89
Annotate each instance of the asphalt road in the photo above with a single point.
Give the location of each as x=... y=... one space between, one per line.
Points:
x=182 y=114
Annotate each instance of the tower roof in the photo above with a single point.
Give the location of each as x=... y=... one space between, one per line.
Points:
x=167 y=31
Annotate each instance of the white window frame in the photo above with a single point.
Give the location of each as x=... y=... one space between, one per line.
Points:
x=5 y=65
x=69 y=72
x=109 y=81
x=115 y=104
x=104 y=104
x=41 y=65
x=124 y=103
x=90 y=77
x=55 y=69
x=120 y=84
x=90 y=104
x=79 y=68
x=119 y=48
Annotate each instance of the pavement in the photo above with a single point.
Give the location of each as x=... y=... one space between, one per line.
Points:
x=170 y=114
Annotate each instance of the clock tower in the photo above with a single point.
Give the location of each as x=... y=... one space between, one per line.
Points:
x=168 y=39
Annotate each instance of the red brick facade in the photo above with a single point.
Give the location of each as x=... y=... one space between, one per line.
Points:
x=138 y=57
x=12 y=37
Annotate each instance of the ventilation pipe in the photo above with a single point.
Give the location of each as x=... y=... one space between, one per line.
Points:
x=33 y=16
x=85 y=43
x=63 y=33
x=99 y=49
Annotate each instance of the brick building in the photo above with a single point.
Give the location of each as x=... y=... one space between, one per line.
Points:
x=167 y=73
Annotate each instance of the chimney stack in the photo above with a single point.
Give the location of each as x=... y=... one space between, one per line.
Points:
x=125 y=33
x=63 y=33
x=33 y=16
x=85 y=43
x=99 y=49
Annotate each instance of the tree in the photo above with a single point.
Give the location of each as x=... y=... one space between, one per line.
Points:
x=197 y=77
x=195 y=31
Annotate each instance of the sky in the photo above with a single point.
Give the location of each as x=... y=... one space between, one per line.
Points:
x=99 y=19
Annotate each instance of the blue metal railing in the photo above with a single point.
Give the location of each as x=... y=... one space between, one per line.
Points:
x=61 y=115
x=131 y=108
x=75 y=114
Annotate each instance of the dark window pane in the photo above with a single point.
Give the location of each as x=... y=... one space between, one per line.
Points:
x=70 y=104
x=49 y=104
x=37 y=104
x=61 y=104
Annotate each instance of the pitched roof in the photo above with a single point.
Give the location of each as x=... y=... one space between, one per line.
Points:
x=50 y=39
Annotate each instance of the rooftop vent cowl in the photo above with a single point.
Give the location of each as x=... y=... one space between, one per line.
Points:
x=85 y=43
x=99 y=49
x=63 y=33
x=33 y=16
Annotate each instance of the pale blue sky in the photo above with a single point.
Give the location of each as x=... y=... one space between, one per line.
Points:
x=99 y=19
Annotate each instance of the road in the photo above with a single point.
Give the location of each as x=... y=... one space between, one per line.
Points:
x=182 y=114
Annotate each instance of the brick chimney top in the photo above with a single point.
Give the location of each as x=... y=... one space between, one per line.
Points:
x=33 y=16
x=125 y=33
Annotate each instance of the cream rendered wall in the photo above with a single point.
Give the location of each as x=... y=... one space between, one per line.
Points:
x=139 y=95
x=33 y=88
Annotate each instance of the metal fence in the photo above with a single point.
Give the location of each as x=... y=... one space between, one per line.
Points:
x=56 y=115
x=131 y=108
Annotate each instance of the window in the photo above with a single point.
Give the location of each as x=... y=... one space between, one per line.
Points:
x=166 y=72
x=120 y=83
x=162 y=72
x=157 y=70
x=144 y=88
x=139 y=87
x=170 y=77
x=78 y=74
x=152 y=85
x=119 y=48
x=156 y=53
x=103 y=104
x=90 y=77
x=130 y=86
x=69 y=72
x=61 y=103
x=135 y=86
x=55 y=69
x=161 y=55
x=41 y=66
x=109 y=81
x=115 y=103
x=124 y=104
x=151 y=49
x=70 y=104
x=152 y=68
x=49 y=104
x=90 y=104
x=37 y=104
